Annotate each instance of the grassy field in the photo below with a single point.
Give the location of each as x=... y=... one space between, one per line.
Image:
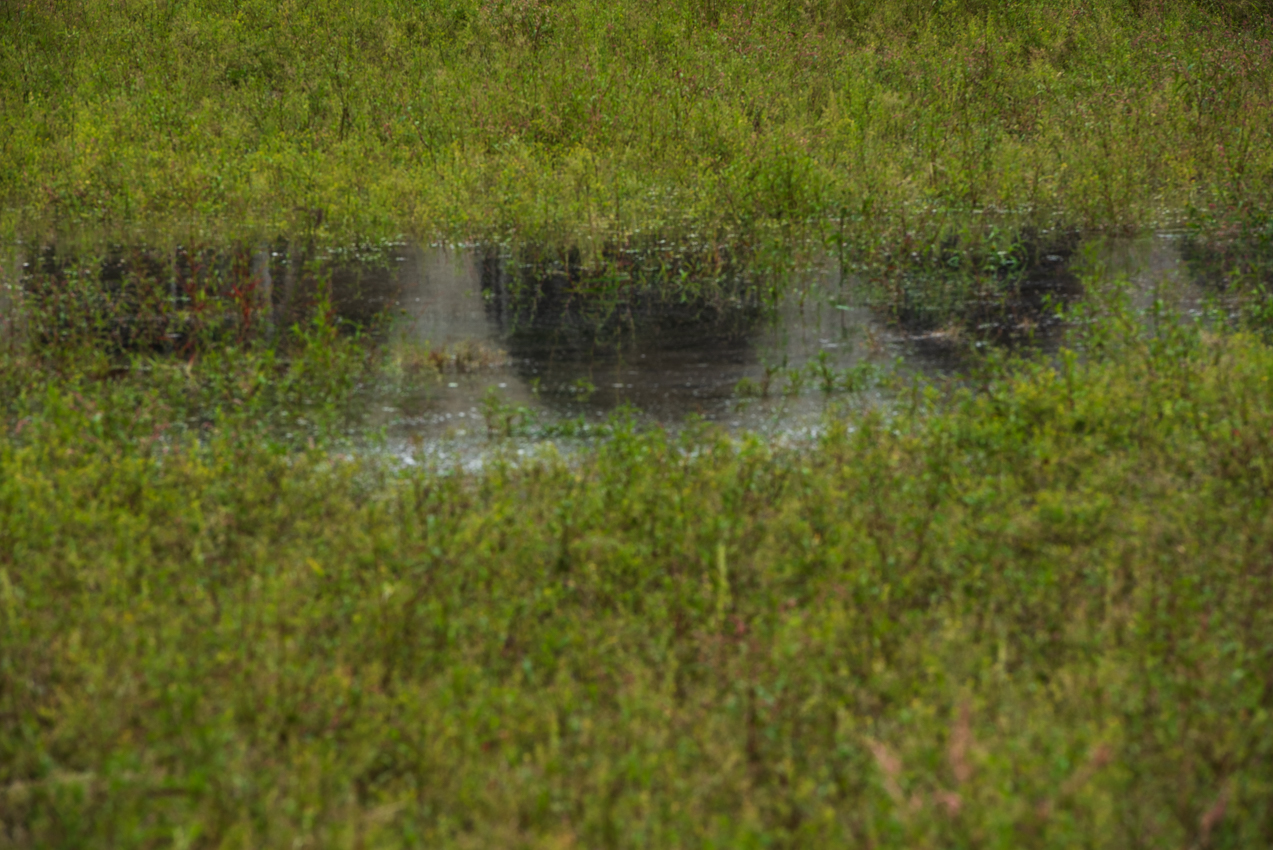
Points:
x=1031 y=608
x=906 y=129
x=1034 y=612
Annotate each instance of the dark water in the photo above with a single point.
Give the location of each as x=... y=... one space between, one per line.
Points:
x=474 y=329
x=767 y=370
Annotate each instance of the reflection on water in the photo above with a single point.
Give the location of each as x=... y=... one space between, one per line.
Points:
x=534 y=333
x=671 y=360
x=10 y=275
x=668 y=360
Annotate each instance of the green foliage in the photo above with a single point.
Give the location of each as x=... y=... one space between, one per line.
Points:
x=1034 y=611
x=205 y=361
x=901 y=128
x=1031 y=613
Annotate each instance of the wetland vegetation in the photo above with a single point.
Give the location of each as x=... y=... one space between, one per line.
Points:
x=699 y=424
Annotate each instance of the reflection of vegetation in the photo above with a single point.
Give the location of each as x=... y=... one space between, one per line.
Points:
x=648 y=292
x=976 y=618
x=1238 y=273
x=195 y=337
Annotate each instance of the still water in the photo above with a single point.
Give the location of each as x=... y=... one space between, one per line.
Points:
x=478 y=329
x=772 y=373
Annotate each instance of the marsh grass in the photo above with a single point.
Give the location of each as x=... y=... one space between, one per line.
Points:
x=1027 y=609
x=937 y=152
x=1030 y=612
x=891 y=126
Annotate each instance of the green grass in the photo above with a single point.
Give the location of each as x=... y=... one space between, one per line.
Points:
x=1030 y=613
x=907 y=130
x=1030 y=609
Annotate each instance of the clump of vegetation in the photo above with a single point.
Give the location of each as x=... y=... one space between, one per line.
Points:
x=820 y=373
x=911 y=132
x=413 y=360
x=1031 y=612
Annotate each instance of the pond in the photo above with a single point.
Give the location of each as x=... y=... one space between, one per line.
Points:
x=535 y=344
x=772 y=373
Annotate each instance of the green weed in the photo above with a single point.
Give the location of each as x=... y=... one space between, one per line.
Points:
x=1033 y=612
x=900 y=131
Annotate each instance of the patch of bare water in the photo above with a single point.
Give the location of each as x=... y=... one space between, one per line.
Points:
x=772 y=373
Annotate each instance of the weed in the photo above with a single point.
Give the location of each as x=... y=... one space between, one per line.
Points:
x=897 y=133
x=977 y=616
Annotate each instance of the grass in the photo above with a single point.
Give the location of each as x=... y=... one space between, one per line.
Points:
x=1031 y=608
x=907 y=130
x=1030 y=613
x=936 y=150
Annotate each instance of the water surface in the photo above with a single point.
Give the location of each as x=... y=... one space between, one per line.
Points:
x=542 y=341
x=766 y=371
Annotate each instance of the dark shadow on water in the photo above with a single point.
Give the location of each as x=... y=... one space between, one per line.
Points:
x=644 y=326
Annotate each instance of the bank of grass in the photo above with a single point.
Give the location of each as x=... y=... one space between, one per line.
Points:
x=905 y=129
x=1034 y=613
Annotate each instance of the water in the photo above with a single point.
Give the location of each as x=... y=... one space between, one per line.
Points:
x=667 y=361
x=766 y=373
x=476 y=330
